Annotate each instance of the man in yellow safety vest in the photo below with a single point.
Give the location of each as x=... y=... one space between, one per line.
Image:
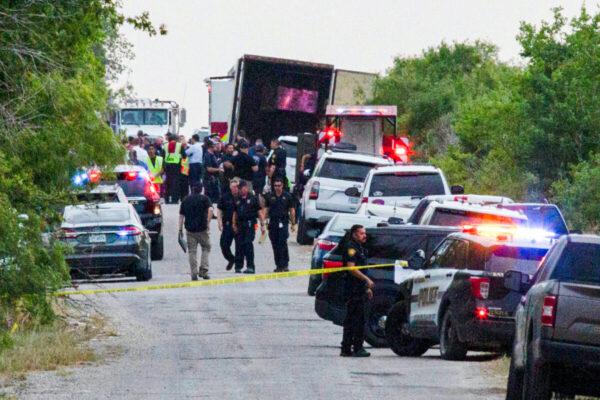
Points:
x=155 y=165
x=172 y=169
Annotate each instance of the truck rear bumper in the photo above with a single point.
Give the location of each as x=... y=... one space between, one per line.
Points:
x=488 y=334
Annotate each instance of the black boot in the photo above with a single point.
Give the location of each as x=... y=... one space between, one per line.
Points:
x=361 y=353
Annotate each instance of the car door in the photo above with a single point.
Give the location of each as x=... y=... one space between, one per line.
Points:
x=430 y=284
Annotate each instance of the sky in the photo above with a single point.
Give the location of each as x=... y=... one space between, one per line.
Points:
x=206 y=37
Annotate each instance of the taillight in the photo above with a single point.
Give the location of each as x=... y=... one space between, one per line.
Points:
x=364 y=200
x=549 y=311
x=480 y=287
x=67 y=233
x=482 y=313
x=131 y=175
x=314 y=191
x=331 y=264
x=129 y=230
x=325 y=245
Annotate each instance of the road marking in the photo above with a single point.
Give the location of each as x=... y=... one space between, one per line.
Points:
x=222 y=281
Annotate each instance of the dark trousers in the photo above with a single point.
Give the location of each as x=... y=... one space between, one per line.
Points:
x=211 y=188
x=195 y=173
x=172 y=172
x=184 y=186
x=354 y=323
x=244 y=247
x=227 y=237
x=279 y=237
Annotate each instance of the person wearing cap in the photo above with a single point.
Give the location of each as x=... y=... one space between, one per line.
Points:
x=278 y=160
x=225 y=210
x=195 y=213
x=279 y=206
x=211 y=172
x=257 y=142
x=227 y=166
x=244 y=166
x=260 y=176
x=247 y=210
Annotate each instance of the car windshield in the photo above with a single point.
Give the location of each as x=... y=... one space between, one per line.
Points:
x=449 y=217
x=86 y=215
x=291 y=149
x=579 y=263
x=542 y=217
x=345 y=170
x=341 y=224
x=409 y=184
x=524 y=259
x=144 y=117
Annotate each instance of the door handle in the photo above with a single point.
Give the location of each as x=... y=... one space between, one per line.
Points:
x=449 y=274
x=427 y=276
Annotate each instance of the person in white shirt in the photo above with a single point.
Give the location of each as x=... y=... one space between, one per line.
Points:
x=194 y=153
x=141 y=153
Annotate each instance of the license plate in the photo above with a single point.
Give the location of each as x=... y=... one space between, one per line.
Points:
x=353 y=200
x=97 y=238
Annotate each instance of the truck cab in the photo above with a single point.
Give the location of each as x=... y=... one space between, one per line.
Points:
x=153 y=117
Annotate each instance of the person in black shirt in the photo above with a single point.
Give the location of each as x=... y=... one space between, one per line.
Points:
x=279 y=206
x=278 y=159
x=211 y=172
x=244 y=165
x=359 y=289
x=227 y=167
x=225 y=210
x=247 y=210
x=260 y=176
x=196 y=212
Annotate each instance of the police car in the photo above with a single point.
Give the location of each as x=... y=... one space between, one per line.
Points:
x=457 y=297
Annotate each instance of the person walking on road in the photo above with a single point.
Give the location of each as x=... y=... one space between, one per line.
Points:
x=359 y=288
x=172 y=169
x=194 y=154
x=195 y=213
x=225 y=210
x=247 y=210
x=279 y=206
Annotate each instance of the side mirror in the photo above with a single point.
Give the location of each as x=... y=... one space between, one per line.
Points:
x=352 y=192
x=182 y=117
x=417 y=260
x=395 y=221
x=457 y=189
x=516 y=281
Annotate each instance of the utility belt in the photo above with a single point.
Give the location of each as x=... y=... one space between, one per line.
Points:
x=280 y=221
x=247 y=223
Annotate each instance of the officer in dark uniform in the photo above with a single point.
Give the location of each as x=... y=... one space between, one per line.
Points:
x=226 y=208
x=247 y=210
x=359 y=289
x=278 y=161
x=279 y=206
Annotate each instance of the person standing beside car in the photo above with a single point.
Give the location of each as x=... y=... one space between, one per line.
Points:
x=195 y=213
x=359 y=290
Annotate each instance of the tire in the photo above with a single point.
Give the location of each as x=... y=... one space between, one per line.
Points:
x=514 y=387
x=398 y=339
x=157 y=248
x=144 y=271
x=536 y=380
x=302 y=237
x=376 y=315
x=451 y=348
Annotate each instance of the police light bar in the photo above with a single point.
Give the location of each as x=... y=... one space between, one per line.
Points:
x=376 y=111
x=507 y=232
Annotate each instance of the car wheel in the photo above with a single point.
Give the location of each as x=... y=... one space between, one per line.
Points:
x=144 y=270
x=157 y=248
x=451 y=348
x=514 y=388
x=398 y=337
x=376 y=316
x=536 y=381
x=302 y=235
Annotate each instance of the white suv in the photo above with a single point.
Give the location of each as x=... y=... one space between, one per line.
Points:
x=394 y=191
x=325 y=192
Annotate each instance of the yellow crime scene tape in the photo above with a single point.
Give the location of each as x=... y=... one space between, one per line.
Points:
x=223 y=281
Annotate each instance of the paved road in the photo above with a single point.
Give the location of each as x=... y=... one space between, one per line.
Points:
x=255 y=341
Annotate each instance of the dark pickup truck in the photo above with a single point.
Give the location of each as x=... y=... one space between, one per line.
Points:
x=557 y=340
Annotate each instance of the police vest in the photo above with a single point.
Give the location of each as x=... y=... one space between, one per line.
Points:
x=172 y=158
x=155 y=169
x=185 y=166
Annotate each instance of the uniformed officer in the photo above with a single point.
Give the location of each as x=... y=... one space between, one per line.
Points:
x=359 y=289
x=247 y=210
x=279 y=206
x=278 y=160
x=225 y=210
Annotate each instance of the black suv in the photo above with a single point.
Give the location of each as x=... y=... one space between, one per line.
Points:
x=457 y=297
x=142 y=194
x=384 y=245
x=557 y=340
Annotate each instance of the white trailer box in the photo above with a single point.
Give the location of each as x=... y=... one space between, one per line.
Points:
x=221 y=93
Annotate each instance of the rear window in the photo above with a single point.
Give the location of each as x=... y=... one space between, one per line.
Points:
x=524 y=259
x=543 y=217
x=401 y=184
x=133 y=187
x=446 y=217
x=86 y=215
x=341 y=224
x=345 y=170
x=290 y=148
x=580 y=262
